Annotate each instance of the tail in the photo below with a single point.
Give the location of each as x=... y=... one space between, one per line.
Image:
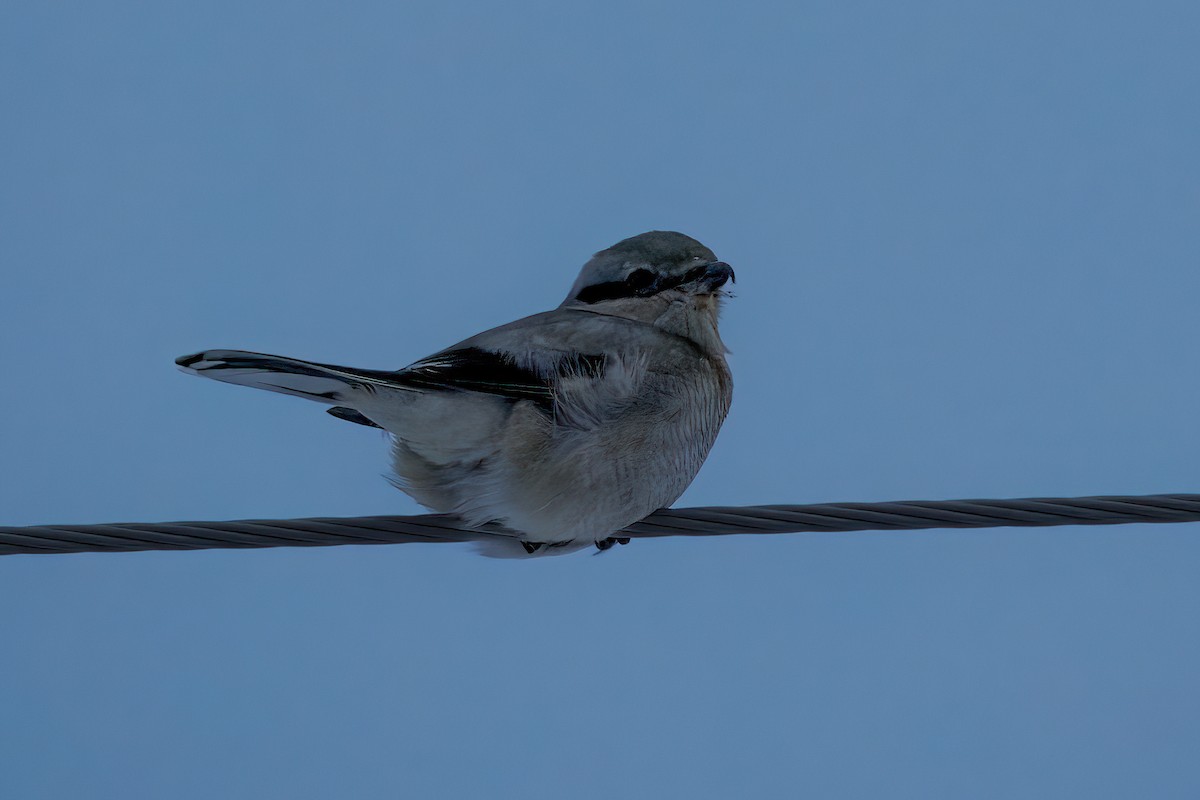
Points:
x=323 y=383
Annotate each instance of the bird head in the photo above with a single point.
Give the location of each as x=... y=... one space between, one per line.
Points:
x=657 y=264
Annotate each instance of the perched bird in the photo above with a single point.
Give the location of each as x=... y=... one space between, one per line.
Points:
x=563 y=427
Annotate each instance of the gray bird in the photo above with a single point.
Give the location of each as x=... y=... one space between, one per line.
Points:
x=561 y=428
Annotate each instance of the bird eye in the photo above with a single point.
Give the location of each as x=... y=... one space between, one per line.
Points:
x=639 y=279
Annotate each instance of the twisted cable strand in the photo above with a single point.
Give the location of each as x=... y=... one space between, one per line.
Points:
x=702 y=521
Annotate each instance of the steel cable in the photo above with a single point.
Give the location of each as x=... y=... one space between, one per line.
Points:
x=703 y=521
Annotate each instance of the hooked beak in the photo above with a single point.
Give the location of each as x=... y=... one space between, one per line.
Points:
x=717 y=274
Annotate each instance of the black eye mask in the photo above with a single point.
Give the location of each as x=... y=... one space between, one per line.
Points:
x=639 y=283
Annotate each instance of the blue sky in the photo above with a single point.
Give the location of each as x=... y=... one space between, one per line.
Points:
x=966 y=241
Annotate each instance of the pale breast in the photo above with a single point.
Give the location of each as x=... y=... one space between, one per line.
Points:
x=579 y=483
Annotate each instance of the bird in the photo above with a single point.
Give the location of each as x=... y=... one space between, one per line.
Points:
x=557 y=430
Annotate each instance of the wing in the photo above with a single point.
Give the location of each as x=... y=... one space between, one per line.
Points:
x=537 y=377
x=473 y=369
x=575 y=367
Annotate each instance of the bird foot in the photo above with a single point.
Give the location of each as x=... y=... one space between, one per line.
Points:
x=606 y=544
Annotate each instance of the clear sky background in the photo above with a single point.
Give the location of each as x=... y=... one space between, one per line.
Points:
x=967 y=238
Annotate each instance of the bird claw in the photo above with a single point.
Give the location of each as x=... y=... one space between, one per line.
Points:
x=606 y=544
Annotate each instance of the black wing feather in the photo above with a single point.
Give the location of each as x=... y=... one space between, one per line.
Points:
x=472 y=369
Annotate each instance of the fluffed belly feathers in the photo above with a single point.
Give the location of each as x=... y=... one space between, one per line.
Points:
x=560 y=483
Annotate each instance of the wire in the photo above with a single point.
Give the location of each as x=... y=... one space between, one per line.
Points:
x=705 y=521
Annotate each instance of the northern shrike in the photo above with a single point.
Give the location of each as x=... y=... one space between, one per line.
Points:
x=563 y=427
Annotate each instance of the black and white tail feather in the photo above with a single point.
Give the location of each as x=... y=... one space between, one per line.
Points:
x=323 y=383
